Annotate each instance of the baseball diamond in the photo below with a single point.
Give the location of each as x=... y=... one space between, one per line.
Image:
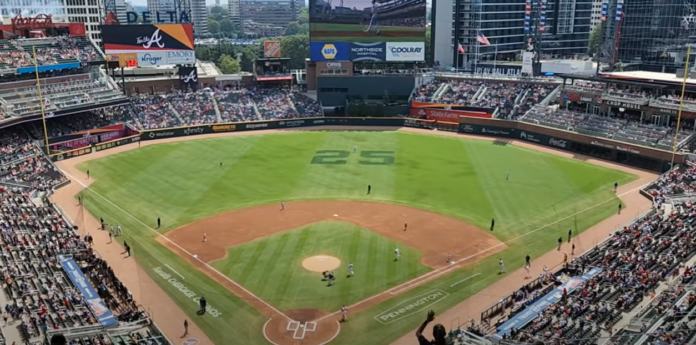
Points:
x=239 y=213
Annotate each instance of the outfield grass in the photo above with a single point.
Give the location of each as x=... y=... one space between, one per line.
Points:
x=466 y=179
x=280 y=257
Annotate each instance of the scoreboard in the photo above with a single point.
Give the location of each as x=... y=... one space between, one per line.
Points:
x=124 y=60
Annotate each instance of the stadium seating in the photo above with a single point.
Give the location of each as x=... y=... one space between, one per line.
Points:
x=305 y=106
x=236 y=106
x=152 y=111
x=195 y=108
x=274 y=104
x=634 y=261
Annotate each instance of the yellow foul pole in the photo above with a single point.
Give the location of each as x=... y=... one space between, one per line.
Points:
x=41 y=103
x=681 y=105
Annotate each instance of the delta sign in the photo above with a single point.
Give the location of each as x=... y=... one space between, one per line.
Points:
x=171 y=17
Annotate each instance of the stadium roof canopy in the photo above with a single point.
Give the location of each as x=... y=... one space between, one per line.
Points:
x=651 y=77
x=604 y=79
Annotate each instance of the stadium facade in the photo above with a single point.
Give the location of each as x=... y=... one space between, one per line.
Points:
x=566 y=29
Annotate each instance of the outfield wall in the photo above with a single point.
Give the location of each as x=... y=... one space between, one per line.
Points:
x=633 y=155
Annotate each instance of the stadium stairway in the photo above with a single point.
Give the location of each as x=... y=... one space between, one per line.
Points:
x=176 y=113
x=292 y=105
x=439 y=92
x=257 y=112
x=217 y=110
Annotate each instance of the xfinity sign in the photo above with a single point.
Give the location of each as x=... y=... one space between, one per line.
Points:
x=405 y=51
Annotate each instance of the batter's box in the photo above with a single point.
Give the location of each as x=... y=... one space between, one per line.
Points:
x=299 y=329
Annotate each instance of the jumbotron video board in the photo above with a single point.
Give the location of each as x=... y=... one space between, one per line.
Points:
x=367 y=30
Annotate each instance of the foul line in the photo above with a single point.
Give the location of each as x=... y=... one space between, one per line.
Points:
x=465 y=279
x=173 y=270
x=404 y=286
x=180 y=248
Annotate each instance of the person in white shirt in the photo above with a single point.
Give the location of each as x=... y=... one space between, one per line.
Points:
x=397 y=254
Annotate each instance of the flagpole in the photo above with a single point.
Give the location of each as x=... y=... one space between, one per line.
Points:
x=41 y=103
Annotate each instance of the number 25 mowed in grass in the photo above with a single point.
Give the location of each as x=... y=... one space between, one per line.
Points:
x=339 y=157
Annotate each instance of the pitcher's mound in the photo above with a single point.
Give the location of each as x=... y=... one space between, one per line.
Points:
x=320 y=263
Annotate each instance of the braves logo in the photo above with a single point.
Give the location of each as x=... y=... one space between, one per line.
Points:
x=191 y=77
x=155 y=39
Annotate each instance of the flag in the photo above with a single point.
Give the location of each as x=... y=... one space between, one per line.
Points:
x=481 y=38
x=460 y=49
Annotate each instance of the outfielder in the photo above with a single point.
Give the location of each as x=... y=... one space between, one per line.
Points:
x=350 y=270
x=397 y=253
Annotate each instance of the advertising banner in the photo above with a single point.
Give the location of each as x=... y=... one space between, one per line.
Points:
x=115 y=143
x=528 y=63
x=271 y=49
x=334 y=51
x=94 y=302
x=405 y=51
x=188 y=77
x=181 y=57
x=445 y=115
x=118 y=39
x=367 y=21
x=78 y=135
x=368 y=52
x=152 y=59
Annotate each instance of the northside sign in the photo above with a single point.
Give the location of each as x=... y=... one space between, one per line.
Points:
x=158 y=17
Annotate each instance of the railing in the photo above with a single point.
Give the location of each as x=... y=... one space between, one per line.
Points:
x=626 y=97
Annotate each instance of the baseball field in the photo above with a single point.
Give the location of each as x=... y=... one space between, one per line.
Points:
x=250 y=222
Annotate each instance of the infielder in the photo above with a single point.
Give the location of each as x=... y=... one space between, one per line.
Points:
x=502 y=266
x=344 y=311
x=282 y=205
x=397 y=253
x=350 y=270
x=205 y=237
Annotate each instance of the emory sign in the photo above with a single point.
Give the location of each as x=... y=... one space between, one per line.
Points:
x=148 y=17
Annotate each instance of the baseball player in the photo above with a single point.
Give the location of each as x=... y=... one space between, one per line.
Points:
x=355 y=149
x=373 y=19
x=118 y=230
x=397 y=253
x=350 y=270
x=449 y=257
x=405 y=226
x=282 y=205
x=502 y=266
x=205 y=237
x=344 y=311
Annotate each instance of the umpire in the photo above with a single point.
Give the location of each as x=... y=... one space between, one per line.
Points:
x=202 y=302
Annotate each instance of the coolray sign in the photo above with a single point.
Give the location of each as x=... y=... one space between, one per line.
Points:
x=411 y=306
x=256 y=125
x=194 y=131
x=184 y=290
x=152 y=59
x=158 y=17
x=223 y=128
x=291 y=123
x=405 y=51
x=181 y=57
x=367 y=52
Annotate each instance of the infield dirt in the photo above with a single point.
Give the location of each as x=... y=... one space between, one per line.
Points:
x=146 y=291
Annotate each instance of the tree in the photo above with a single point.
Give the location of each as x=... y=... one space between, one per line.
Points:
x=295 y=28
x=213 y=26
x=303 y=18
x=595 y=39
x=228 y=65
x=226 y=26
x=428 y=48
x=295 y=47
x=249 y=54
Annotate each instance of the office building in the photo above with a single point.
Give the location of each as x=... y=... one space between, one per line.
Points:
x=89 y=12
x=276 y=12
x=233 y=11
x=199 y=18
x=566 y=28
x=162 y=6
x=651 y=34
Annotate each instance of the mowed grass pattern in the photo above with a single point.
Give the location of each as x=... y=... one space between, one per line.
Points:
x=272 y=267
x=180 y=182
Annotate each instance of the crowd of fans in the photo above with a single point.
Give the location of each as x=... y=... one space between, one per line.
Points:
x=195 y=108
x=273 y=104
x=676 y=182
x=235 y=106
x=19 y=53
x=633 y=261
x=23 y=164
